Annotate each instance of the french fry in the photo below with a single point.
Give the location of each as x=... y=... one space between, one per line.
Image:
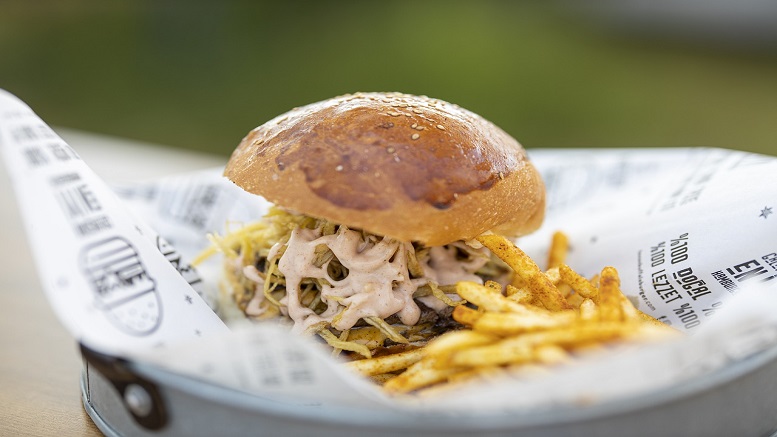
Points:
x=628 y=311
x=649 y=320
x=486 y=299
x=609 y=292
x=457 y=340
x=559 y=247
x=551 y=354
x=381 y=378
x=578 y=283
x=515 y=323
x=588 y=311
x=419 y=375
x=493 y=286
x=580 y=333
x=465 y=315
x=481 y=373
x=519 y=295
x=553 y=275
x=386 y=363
x=492 y=355
x=575 y=300
x=525 y=268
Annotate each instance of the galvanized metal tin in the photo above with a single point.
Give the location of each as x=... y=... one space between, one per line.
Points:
x=134 y=399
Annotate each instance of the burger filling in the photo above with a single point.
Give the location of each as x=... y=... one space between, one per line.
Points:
x=361 y=292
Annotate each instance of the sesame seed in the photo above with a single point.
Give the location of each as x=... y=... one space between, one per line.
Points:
x=339 y=168
x=391 y=150
x=441 y=127
x=394 y=114
x=419 y=127
x=396 y=158
x=415 y=136
x=414 y=125
x=417 y=111
x=258 y=142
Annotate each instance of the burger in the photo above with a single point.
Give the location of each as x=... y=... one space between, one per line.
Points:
x=378 y=198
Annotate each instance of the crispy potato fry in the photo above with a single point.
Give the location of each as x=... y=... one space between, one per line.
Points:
x=456 y=340
x=551 y=354
x=609 y=291
x=465 y=315
x=419 y=375
x=481 y=373
x=525 y=268
x=559 y=247
x=519 y=295
x=486 y=299
x=521 y=348
x=575 y=334
x=652 y=321
x=553 y=275
x=575 y=300
x=492 y=355
x=386 y=363
x=588 y=311
x=493 y=286
x=578 y=283
x=515 y=323
x=628 y=311
x=381 y=378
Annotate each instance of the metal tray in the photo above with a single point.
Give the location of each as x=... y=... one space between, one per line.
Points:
x=126 y=398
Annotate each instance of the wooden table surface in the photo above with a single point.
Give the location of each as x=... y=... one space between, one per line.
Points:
x=40 y=365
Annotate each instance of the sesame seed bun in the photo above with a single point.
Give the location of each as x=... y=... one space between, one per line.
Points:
x=403 y=166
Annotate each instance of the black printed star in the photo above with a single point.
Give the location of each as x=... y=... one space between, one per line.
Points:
x=766 y=212
x=188 y=299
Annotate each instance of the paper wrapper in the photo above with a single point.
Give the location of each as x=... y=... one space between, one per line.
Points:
x=691 y=231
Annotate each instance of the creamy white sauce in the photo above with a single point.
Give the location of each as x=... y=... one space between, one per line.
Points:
x=444 y=268
x=378 y=282
x=254 y=305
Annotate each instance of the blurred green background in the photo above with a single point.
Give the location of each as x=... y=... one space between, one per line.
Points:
x=199 y=75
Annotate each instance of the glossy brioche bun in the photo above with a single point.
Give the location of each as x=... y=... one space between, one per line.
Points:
x=408 y=167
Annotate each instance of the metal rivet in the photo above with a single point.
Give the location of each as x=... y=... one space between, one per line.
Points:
x=138 y=400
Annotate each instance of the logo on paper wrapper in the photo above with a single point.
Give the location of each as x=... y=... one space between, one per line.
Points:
x=123 y=289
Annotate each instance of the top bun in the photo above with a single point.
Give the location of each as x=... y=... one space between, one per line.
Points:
x=403 y=166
